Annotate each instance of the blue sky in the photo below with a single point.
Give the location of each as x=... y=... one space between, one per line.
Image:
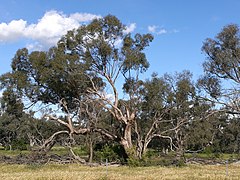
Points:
x=179 y=26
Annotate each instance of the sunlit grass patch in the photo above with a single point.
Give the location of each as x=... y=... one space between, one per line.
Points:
x=12 y=152
x=59 y=150
x=221 y=156
x=75 y=171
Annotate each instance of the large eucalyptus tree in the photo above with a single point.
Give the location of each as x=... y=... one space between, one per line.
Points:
x=89 y=66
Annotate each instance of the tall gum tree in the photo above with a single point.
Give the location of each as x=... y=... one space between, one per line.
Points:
x=87 y=65
x=113 y=55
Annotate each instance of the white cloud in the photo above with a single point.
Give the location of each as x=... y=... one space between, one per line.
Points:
x=175 y=31
x=35 y=46
x=162 y=31
x=152 y=29
x=156 y=30
x=130 y=28
x=12 y=31
x=46 y=32
x=159 y=30
x=83 y=17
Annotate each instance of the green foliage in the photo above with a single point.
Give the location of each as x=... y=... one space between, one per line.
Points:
x=80 y=150
x=228 y=139
x=208 y=150
x=135 y=162
x=211 y=84
x=107 y=152
x=223 y=53
x=11 y=103
x=152 y=158
x=19 y=144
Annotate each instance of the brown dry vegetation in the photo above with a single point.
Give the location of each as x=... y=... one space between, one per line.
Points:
x=74 y=171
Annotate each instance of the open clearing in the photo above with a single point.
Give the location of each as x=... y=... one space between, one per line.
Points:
x=74 y=171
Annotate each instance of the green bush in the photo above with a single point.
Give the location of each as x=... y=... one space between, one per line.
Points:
x=208 y=151
x=107 y=152
x=135 y=162
x=151 y=153
x=19 y=144
x=154 y=161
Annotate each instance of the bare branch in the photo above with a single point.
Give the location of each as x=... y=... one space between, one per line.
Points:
x=106 y=133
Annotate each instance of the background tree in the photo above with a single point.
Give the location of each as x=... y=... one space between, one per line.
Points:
x=171 y=110
x=221 y=82
x=227 y=139
x=186 y=111
x=11 y=119
x=222 y=65
x=19 y=129
x=53 y=78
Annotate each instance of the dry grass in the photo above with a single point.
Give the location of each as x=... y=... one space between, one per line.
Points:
x=74 y=171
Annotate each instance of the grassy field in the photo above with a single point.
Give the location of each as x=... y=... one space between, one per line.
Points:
x=75 y=171
x=55 y=150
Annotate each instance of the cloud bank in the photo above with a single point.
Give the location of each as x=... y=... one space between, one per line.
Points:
x=46 y=32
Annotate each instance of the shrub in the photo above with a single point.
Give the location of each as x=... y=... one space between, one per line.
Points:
x=19 y=144
x=107 y=152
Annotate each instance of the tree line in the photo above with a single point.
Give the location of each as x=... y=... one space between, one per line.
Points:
x=89 y=92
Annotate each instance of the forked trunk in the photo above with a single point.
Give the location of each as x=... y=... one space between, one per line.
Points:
x=142 y=148
x=126 y=142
